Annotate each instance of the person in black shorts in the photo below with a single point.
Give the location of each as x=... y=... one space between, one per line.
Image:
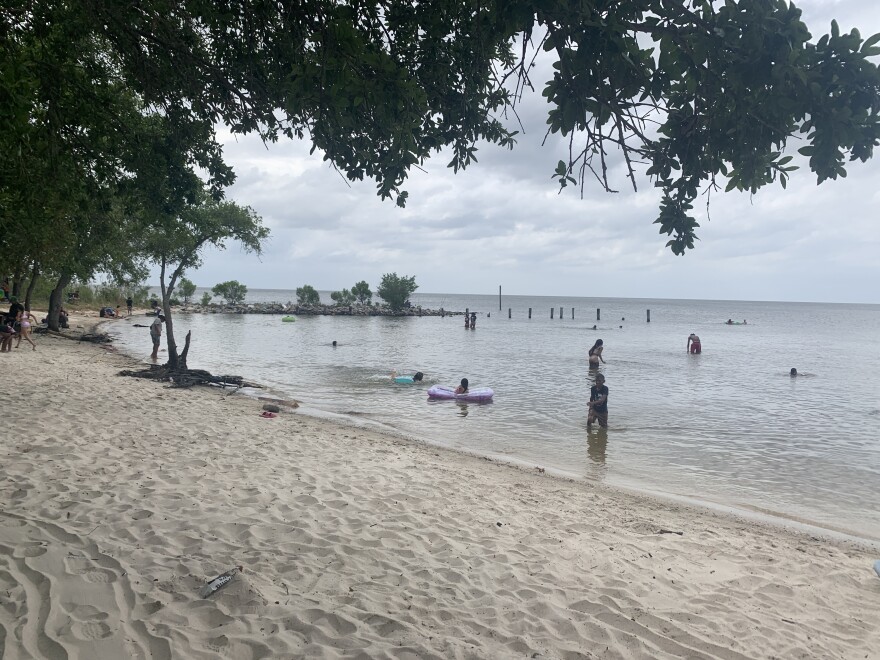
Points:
x=598 y=405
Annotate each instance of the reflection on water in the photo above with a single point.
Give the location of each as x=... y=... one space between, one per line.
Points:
x=597 y=445
x=713 y=425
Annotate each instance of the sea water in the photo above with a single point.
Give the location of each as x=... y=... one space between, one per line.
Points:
x=728 y=426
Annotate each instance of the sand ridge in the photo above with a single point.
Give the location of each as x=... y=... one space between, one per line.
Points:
x=122 y=497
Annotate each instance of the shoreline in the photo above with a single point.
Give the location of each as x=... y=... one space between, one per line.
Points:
x=123 y=497
x=750 y=513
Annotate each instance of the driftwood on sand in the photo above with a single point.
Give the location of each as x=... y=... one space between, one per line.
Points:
x=187 y=377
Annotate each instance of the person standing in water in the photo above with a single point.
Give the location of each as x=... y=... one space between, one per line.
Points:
x=693 y=344
x=598 y=405
x=594 y=355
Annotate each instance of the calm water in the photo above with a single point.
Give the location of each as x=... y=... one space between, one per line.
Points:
x=728 y=426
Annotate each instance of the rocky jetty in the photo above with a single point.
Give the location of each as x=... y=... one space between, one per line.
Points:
x=320 y=310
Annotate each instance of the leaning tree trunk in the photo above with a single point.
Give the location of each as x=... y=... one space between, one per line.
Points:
x=173 y=359
x=55 y=300
x=35 y=274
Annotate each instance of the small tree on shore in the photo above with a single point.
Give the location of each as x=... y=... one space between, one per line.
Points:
x=396 y=290
x=343 y=297
x=361 y=292
x=206 y=299
x=175 y=244
x=233 y=292
x=186 y=289
x=307 y=295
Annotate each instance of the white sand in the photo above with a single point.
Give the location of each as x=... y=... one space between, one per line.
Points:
x=121 y=496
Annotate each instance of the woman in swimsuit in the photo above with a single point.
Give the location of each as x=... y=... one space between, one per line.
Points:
x=24 y=332
x=595 y=354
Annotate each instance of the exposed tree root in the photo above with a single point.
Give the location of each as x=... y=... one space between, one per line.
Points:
x=188 y=377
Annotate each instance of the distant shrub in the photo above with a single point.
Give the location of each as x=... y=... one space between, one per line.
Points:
x=307 y=295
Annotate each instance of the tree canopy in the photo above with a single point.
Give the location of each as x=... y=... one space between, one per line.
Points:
x=702 y=94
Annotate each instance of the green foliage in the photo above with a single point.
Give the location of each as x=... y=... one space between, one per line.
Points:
x=396 y=290
x=107 y=109
x=186 y=289
x=343 y=298
x=307 y=295
x=361 y=292
x=206 y=299
x=232 y=292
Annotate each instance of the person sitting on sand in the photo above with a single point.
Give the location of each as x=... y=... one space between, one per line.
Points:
x=693 y=344
x=595 y=354
x=463 y=388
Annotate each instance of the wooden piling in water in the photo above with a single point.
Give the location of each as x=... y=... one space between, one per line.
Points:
x=552 y=309
x=572 y=313
x=649 y=316
x=598 y=314
x=530 y=312
x=508 y=312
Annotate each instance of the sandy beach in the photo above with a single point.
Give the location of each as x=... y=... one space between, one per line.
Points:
x=122 y=497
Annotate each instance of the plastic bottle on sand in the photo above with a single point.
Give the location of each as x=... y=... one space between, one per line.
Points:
x=219 y=582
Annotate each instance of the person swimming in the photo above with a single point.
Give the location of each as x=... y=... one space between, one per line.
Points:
x=793 y=372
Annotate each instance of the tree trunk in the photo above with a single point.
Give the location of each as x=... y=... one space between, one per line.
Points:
x=182 y=362
x=17 y=279
x=35 y=274
x=55 y=300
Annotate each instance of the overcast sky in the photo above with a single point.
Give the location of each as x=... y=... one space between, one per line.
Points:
x=501 y=222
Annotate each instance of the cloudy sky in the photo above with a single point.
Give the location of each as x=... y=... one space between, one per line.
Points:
x=502 y=222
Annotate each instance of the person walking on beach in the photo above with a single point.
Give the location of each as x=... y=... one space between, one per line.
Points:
x=595 y=354
x=598 y=405
x=24 y=327
x=156 y=335
x=693 y=344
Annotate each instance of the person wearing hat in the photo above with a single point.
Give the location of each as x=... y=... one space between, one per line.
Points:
x=156 y=335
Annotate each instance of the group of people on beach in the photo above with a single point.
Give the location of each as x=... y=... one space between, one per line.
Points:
x=17 y=322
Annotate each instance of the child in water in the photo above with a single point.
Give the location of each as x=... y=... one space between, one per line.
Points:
x=598 y=405
x=463 y=388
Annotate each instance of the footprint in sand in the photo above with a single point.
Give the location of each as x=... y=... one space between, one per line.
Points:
x=90 y=630
x=86 y=568
x=34 y=549
x=81 y=612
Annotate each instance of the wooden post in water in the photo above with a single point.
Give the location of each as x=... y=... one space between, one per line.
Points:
x=649 y=316
x=551 y=312
x=560 y=313
x=508 y=313
x=499 y=297
x=598 y=314
x=530 y=312
x=572 y=313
